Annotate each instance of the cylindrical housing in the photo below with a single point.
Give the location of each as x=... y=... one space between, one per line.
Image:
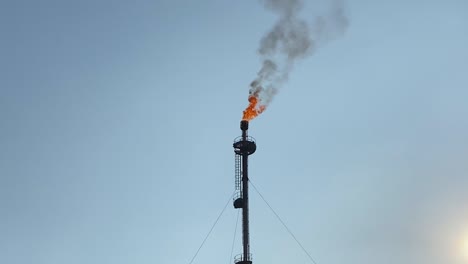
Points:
x=244 y=125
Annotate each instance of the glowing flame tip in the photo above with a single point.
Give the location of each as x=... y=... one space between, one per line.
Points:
x=253 y=109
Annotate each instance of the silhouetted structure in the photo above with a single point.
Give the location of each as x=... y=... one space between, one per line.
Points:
x=243 y=147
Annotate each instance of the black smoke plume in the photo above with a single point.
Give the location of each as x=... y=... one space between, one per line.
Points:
x=291 y=39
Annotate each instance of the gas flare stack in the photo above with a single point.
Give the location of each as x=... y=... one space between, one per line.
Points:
x=243 y=147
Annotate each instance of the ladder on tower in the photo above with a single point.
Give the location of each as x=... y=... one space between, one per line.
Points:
x=238 y=173
x=238 y=202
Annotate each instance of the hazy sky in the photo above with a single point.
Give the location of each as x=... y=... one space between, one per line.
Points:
x=117 y=120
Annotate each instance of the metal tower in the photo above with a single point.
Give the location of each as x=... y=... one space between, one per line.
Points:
x=243 y=147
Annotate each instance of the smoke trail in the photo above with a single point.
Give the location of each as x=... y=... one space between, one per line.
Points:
x=290 y=39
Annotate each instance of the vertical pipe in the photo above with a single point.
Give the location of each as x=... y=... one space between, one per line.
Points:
x=245 y=198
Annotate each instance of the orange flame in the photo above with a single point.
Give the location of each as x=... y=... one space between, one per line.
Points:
x=253 y=110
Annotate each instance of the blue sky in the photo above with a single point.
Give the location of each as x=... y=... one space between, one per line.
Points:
x=117 y=119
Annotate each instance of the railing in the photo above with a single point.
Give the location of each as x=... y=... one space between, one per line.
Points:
x=237 y=139
x=240 y=257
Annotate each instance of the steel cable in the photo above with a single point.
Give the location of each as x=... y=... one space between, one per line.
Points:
x=212 y=227
x=284 y=224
